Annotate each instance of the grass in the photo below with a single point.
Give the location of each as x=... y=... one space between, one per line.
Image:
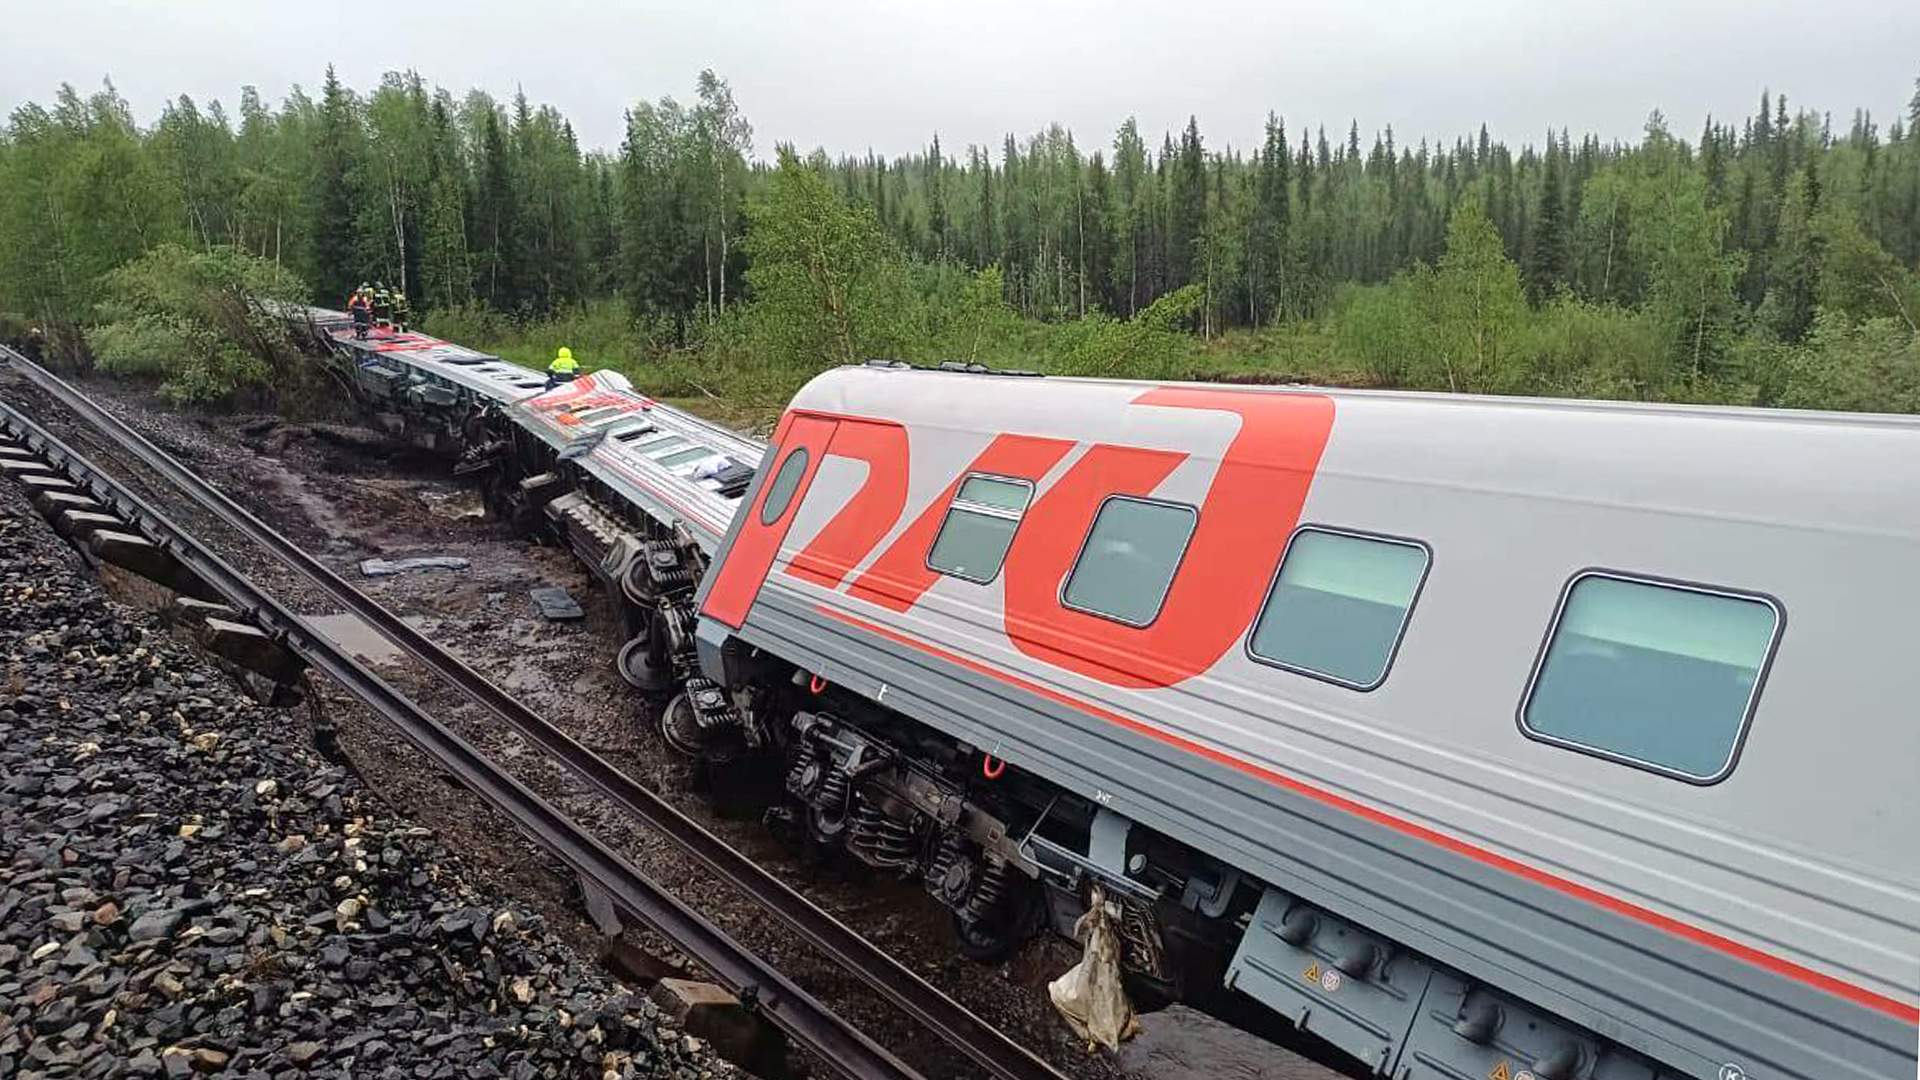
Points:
x=1296 y=352
x=1565 y=349
x=747 y=393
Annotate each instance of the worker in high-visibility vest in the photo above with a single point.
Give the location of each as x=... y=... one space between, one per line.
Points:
x=360 y=306
x=563 y=368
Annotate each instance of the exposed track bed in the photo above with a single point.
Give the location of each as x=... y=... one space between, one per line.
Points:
x=186 y=889
x=617 y=735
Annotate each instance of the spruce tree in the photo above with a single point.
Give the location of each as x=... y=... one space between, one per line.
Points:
x=1269 y=242
x=986 y=246
x=1304 y=167
x=334 y=265
x=1187 y=210
x=1547 y=263
x=1099 y=236
x=497 y=220
x=937 y=199
x=1795 y=264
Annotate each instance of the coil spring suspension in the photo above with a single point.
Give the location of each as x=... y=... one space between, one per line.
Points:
x=667 y=568
x=1140 y=938
x=953 y=873
x=879 y=839
x=971 y=885
x=807 y=773
x=987 y=895
x=701 y=721
x=711 y=706
x=831 y=798
x=677 y=621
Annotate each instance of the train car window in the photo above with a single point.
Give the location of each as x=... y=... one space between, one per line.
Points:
x=655 y=439
x=1658 y=675
x=600 y=416
x=1128 y=561
x=1339 y=606
x=979 y=527
x=660 y=446
x=780 y=491
x=692 y=453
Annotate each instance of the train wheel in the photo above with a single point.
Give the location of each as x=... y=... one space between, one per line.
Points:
x=679 y=724
x=828 y=813
x=992 y=939
x=637 y=583
x=637 y=666
x=992 y=934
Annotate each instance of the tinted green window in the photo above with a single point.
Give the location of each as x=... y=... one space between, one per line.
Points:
x=1339 y=605
x=995 y=493
x=780 y=492
x=665 y=442
x=681 y=457
x=1655 y=675
x=1129 y=560
x=979 y=528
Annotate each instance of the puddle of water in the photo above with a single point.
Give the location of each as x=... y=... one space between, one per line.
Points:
x=350 y=632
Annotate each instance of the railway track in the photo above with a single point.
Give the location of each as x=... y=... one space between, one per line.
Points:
x=107 y=507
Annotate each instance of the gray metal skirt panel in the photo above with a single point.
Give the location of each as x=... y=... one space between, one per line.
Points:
x=1689 y=1006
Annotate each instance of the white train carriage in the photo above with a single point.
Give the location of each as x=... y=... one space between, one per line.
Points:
x=1486 y=737
x=671 y=466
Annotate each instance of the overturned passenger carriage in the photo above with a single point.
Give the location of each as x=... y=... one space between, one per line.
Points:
x=1482 y=738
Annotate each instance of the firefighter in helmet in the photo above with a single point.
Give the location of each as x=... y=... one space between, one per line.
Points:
x=382 y=305
x=400 y=311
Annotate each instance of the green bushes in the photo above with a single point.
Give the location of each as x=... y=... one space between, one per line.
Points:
x=1572 y=348
x=1870 y=366
x=200 y=322
x=1381 y=329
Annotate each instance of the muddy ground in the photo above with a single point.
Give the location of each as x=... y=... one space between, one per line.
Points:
x=344 y=497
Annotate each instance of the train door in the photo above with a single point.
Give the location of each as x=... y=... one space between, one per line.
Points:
x=762 y=526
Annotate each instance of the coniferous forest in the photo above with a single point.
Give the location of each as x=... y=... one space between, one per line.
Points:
x=1771 y=259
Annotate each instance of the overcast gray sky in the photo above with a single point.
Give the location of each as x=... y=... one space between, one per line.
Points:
x=862 y=74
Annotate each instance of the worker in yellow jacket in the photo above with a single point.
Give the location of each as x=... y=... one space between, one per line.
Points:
x=563 y=368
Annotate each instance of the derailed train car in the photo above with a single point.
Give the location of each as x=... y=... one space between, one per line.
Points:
x=1479 y=737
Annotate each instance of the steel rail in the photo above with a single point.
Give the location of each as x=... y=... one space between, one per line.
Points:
x=966 y=1032
x=784 y=1003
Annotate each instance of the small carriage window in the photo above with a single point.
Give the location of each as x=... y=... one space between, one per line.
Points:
x=973 y=540
x=656 y=447
x=1128 y=561
x=692 y=453
x=1339 y=605
x=1650 y=674
x=785 y=482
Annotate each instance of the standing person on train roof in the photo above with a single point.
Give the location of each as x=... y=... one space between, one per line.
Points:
x=360 y=306
x=402 y=310
x=563 y=368
x=382 y=305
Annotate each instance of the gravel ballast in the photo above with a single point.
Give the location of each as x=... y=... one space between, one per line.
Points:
x=187 y=888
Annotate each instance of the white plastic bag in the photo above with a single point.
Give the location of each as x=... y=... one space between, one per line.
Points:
x=1090 y=994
